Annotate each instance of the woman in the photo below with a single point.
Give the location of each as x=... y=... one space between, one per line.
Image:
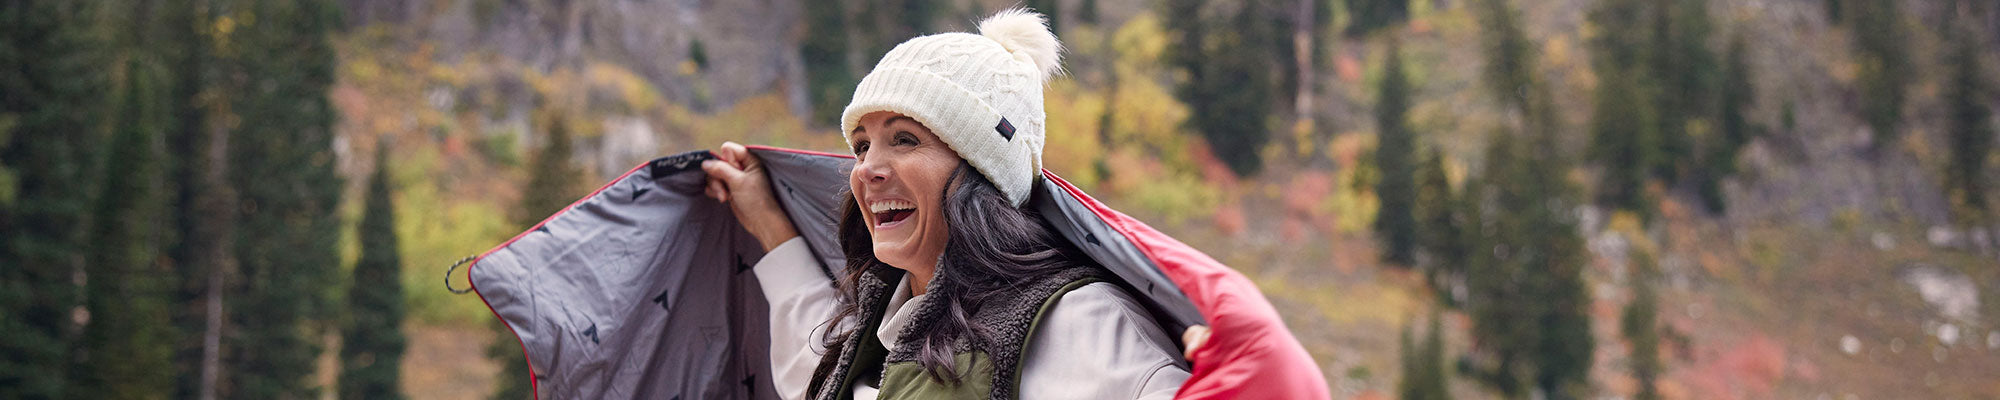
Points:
x=953 y=286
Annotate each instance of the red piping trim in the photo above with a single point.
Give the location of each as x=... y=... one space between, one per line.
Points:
x=533 y=384
x=811 y=152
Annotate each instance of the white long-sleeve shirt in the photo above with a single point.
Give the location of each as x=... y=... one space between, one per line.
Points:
x=1096 y=343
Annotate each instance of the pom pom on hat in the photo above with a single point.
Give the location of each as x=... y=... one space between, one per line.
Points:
x=1025 y=34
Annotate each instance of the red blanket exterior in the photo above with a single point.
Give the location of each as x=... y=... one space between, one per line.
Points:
x=1250 y=354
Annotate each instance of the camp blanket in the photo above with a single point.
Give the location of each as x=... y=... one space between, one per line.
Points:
x=643 y=289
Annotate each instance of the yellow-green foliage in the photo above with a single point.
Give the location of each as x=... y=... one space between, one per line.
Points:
x=1144 y=159
x=631 y=89
x=435 y=230
x=360 y=57
x=1633 y=228
x=439 y=219
x=1149 y=159
x=764 y=119
x=1846 y=219
x=1150 y=186
x=1763 y=255
x=1352 y=203
x=7 y=179
x=1145 y=112
x=1376 y=304
x=1147 y=116
x=1073 y=149
x=601 y=88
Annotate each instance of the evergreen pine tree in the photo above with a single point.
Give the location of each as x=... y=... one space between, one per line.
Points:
x=1050 y=9
x=1468 y=236
x=1624 y=134
x=1499 y=350
x=552 y=185
x=372 y=343
x=1500 y=341
x=1509 y=68
x=870 y=24
x=1086 y=12
x=126 y=349
x=1424 y=369
x=553 y=181
x=1395 y=222
x=1684 y=70
x=1534 y=274
x=1969 y=126
x=1431 y=207
x=1640 y=325
x=1615 y=45
x=1369 y=15
x=200 y=244
x=1433 y=385
x=883 y=24
x=1655 y=100
x=7 y=177
x=50 y=106
x=697 y=55
x=1738 y=90
x=283 y=165
x=1877 y=26
x=1443 y=234
x=919 y=17
x=1624 y=140
x=1527 y=298
x=516 y=380
x=1552 y=257
x=1227 y=60
x=1406 y=355
x=830 y=78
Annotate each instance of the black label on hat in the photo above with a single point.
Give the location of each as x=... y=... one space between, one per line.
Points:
x=1006 y=129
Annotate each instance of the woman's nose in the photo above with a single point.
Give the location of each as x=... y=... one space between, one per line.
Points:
x=873 y=171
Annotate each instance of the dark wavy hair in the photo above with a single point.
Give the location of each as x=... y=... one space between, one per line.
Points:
x=990 y=247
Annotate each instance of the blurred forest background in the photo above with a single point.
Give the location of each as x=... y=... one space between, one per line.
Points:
x=1652 y=199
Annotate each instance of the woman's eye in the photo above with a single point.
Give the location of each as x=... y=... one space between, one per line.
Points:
x=905 y=138
x=860 y=147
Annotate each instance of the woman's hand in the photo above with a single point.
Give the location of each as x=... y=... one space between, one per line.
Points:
x=737 y=178
x=1195 y=336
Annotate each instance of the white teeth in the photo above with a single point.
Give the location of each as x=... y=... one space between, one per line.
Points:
x=890 y=205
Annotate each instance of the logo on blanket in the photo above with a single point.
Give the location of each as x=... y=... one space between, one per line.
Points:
x=674 y=164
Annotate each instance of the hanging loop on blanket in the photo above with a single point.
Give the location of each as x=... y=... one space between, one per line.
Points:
x=454 y=267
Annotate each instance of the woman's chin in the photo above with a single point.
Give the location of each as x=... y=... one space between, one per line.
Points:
x=892 y=254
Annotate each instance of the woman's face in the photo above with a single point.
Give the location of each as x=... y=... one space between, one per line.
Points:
x=899 y=181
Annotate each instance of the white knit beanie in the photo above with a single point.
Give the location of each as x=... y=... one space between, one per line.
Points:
x=981 y=94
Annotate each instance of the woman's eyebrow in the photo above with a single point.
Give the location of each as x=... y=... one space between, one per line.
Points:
x=891 y=121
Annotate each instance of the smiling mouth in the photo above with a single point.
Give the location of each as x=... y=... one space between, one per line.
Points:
x=890 y=213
